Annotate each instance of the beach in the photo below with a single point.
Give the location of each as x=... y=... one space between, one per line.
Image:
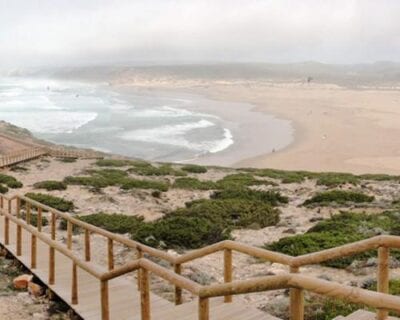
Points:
x=336 y=128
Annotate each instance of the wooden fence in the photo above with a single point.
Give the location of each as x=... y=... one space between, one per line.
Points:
x=11 y=208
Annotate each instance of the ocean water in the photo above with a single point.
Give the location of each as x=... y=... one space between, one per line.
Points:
x=150 y=125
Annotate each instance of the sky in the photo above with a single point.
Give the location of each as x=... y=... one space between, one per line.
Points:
x=112 y=32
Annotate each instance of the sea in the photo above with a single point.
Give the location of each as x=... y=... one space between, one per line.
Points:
x=146 y=124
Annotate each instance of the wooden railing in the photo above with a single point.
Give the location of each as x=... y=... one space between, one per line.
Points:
x=11 y=208
x=20 y=156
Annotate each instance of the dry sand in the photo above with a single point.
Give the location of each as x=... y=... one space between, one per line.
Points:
x=336 y=128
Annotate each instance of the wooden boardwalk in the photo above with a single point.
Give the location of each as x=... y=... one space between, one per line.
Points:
x=106 y=291
x=124 y=297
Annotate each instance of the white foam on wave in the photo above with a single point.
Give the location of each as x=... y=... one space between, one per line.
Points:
x=49 y=122
x=166 y=112
x=175 y=135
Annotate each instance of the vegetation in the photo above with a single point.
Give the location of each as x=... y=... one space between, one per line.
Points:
x=192 y=168
x=3 y=189
x=67 y=160
x=118 y=223
x=333 y=179
x=194 y=184
x=239 y=180
x=113 y=163
x=52 y=201
x=283 y=175
x=163 y=170
x=339 y=197
x=34 y=219
x=10 y=181
x=205 y=222
x=272 y=197
x=115 y=177
x=50 y=185
x=323 y=308
x=341 y=229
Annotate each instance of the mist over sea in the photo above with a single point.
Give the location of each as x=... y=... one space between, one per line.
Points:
x=149 y=125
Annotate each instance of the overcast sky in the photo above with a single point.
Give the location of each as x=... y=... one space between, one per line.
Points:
x=71 y=32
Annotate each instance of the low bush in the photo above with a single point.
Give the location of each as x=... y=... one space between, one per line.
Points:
x=10 y=181
x=194 y=184
x=341 y=229
x=272 y=197
x=193 y=168
x=115 y=177
x=34 y=219
x=3 y=189
x=163 y=170
x=323 y=308
x=51 y=201
x=113 y=163
x=333 y=179
x=67 y=160
x=339 y=197
x=50 y=185
x=204 y=222
x=379 y=177
x=239 y=180
x=118 y=223
x=144 y=184
x=176 y=231
x=284 y=176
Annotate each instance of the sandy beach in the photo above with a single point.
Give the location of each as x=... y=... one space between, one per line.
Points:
x=335 y=128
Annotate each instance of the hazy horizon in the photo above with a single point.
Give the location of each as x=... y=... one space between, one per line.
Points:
x=122 y=32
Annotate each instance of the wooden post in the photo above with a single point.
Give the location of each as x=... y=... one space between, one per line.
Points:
x=144 y=294
x=110 y=250
x=383 y=278
x=227 y=271
x=33 y=251
x=69 y=234
x=19 y=229
x=52 y=263
x=139 y=255
x=296 y=300
x=178 y=290
x=6 y=231
x=28 y=213
x=53 y=226
x=39 y=220
x=74 y=290
x=204 y=309
x=87 y=245
x=105 y=309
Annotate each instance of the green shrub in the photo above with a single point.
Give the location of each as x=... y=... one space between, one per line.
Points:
x=118 y=223
x=115 y=177
x=17 y=168
x=10 y=181
x=163 y=170
x=51 y=201
x=144 y=184
x=394 y=286
x=113 y=163
x=50 y=185
x=272 y=197
x=178 y=231
x=67 y=160
x=34 y=219
x=341 y=229
x=3 y=189
x=323 y=308
x=333 y=179
x=232 y=212
x=379 y=177
x=204 y=222
x=284 y=176
x=194 y=184
x=339 y=197
x=239 y=180
x=192 y=168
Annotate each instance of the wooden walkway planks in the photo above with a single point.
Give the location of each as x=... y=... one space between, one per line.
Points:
x=123 y=294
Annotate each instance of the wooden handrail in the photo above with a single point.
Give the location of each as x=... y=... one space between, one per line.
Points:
x=296 y=282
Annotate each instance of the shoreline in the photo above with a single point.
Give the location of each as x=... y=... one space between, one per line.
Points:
x=336 y=128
